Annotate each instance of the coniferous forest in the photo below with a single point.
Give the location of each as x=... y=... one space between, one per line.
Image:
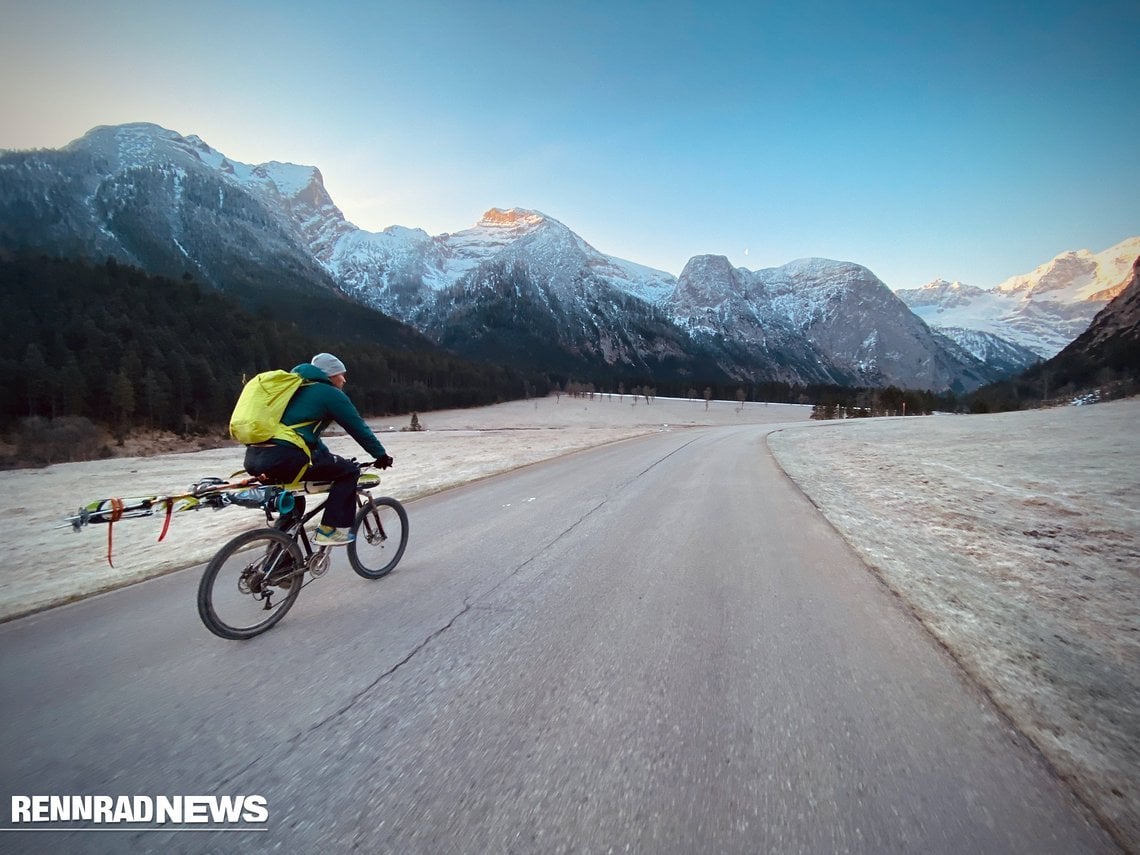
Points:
x=127 y=350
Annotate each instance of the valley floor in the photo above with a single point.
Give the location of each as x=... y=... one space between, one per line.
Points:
x=1015 y=538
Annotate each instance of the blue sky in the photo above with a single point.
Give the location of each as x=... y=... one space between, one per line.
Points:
x=969 y=141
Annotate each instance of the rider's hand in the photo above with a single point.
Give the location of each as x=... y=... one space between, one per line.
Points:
x=383 y=462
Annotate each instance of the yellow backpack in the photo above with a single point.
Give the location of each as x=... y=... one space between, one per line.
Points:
x=257 y=415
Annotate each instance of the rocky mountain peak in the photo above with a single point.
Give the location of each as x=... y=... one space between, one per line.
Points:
x=517 y=219
x=1054 y=275
x=702 y=266
x=939 y=293
x=1109 y=350
x=1120 y=319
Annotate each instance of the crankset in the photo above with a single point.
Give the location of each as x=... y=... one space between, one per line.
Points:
x=319 y=562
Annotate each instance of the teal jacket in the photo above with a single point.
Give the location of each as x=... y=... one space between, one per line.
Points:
x=320 y=402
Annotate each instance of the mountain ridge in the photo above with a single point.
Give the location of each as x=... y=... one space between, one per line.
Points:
x=174 y=205
x=1042 y=310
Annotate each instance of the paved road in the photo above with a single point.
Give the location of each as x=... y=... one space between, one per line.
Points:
x=657 y=646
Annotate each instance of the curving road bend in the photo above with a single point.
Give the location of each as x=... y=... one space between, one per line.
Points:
x=656 y=646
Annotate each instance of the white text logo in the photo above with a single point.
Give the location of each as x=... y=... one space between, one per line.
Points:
x=160 y=810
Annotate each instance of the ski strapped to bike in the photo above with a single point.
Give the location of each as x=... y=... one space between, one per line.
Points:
x=215 y=493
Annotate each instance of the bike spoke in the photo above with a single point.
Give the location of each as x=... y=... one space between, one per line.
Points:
x=381 y=530
x=250 y=584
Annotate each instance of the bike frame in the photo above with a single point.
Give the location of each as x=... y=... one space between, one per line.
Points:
x=280 y=558
x=293 y=523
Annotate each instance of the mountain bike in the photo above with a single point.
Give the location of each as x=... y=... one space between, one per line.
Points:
x=256 y=578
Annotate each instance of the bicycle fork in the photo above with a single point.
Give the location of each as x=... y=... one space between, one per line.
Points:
x=371 y=525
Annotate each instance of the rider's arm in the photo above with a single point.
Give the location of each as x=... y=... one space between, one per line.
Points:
x=345 y=414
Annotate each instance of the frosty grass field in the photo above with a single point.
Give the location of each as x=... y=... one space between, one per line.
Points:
x=1015 y=538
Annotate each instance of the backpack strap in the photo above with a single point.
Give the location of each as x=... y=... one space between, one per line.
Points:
x=301 y=475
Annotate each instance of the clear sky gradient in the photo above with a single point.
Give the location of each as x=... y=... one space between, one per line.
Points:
x=959 y=140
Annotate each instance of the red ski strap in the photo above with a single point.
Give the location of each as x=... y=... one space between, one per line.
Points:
x=166 y=522
x=116 y=515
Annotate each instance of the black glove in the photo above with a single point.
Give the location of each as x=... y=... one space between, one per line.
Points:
x=383 y=462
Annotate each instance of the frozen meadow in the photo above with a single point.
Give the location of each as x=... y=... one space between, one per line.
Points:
x=1014 y=538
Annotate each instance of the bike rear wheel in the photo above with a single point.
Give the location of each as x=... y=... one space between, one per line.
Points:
x=250 y=584
x=381 y=535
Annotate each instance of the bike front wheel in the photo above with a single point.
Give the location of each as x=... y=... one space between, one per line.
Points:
x=250 y=584
x=381 y=535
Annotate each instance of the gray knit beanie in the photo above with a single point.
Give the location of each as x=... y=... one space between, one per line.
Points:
x=329 y=364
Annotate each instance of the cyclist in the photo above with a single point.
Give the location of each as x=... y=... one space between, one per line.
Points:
x=317 y=403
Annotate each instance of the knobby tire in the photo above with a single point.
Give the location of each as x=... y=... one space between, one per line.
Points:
x=233 y=590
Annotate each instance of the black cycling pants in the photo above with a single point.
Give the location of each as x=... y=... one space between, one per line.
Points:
x=281 y=463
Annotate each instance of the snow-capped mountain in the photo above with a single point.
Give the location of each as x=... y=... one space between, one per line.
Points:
x=520 y=277
x=519 y=285
x=375 y=264
x=1105 y=357
x=998 y=353
x=1112 y=340
x=524 y=271
x=1042 y=311
x=834 y=321
x=727 y=311
x=166 y=203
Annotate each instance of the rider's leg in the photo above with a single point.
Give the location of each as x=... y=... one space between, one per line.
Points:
x=340 y=509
